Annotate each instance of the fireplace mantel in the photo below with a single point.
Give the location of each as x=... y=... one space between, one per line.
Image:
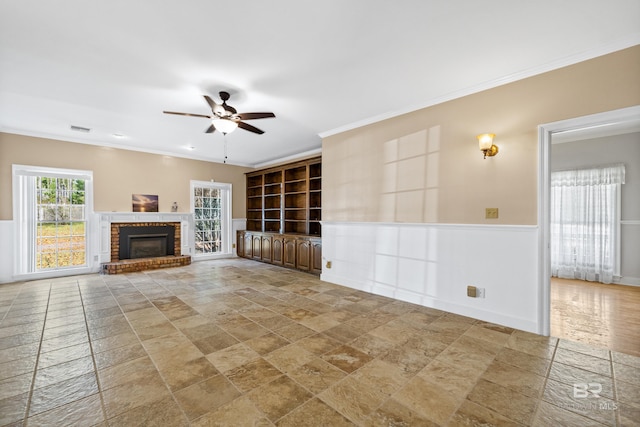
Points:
x=107 y=218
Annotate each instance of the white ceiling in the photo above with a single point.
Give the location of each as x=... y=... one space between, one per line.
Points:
x=320 y=66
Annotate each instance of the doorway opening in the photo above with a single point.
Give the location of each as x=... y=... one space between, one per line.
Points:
x=211 y=204
x=617 y=122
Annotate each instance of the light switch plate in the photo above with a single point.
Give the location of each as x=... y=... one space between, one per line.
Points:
x=491 y=213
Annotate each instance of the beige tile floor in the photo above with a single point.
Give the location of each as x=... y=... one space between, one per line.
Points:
x=240 y=343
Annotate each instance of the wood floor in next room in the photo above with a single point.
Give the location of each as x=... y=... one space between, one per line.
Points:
x=606 y=316
x=241 y=343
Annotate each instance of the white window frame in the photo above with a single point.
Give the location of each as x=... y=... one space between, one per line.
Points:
x=227 y=229
x=24 y=219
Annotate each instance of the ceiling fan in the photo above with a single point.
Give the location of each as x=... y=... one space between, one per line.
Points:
x=225 y=118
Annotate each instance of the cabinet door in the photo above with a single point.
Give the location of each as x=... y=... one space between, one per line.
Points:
x=240 y=243
x=266 y=249
x=257 y=246
x=303 y=255
x=289 y=253
x=316 y=257
x=248 y=238
x=277 y=250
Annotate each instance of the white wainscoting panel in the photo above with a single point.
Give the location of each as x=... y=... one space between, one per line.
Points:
x=6 y=251
x=432 y=264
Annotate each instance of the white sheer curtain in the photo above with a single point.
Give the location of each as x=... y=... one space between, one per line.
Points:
x=584 y=222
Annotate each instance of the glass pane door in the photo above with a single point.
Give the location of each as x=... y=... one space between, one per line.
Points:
x=61 y=236
x=211 y=204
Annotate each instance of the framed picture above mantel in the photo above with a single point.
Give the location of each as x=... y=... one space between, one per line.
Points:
x=144 y=203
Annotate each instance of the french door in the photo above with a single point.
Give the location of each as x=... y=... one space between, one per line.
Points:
x=211 y=205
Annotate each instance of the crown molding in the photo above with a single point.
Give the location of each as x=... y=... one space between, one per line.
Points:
x=623 y=43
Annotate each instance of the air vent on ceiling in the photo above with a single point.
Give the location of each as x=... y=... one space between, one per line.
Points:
x=80 y=129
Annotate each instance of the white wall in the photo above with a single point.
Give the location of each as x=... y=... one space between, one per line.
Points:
x=6 y=251
x=432 y=264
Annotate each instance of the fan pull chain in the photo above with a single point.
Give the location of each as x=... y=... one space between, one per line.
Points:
x=225 y=147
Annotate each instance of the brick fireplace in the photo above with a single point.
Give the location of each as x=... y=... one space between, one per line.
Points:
x=117 y=226
x=150 y=234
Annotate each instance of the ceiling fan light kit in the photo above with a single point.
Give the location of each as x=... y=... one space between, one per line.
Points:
x=224 y=118
x=224 y=125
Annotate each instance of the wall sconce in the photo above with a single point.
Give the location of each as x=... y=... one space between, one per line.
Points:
x=485 y=141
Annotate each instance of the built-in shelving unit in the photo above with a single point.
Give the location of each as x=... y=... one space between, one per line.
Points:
x=286 y=199
x=254 y=202
x=284 y=210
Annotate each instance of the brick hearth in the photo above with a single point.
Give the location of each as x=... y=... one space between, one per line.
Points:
x=141 y=264
x=117 y=266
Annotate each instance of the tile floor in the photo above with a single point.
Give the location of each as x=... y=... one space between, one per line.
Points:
x=240 y=343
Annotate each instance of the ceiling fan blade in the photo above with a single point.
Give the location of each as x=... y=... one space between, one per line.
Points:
x=210 y=101
x=250 y=128
x=229 y=108
x=254 y=116
x=210 y=129
x=187 y=114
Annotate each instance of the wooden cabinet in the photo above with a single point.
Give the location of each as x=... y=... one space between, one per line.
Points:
x=248 y=242
x=240 y=246
x=256 y=247
x=284 y=210
x=277 y=254
x=288 y=250
x=266 y=253
x=303 y=255
x=316 y=257
x=286 y=199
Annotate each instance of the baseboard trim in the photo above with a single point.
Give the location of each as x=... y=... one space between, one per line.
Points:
x=432 y=302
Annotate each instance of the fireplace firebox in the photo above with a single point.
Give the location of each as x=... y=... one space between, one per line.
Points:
x=146 y=241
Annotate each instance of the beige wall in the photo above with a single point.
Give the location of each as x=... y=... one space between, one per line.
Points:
x=117 y=173
x=425 y=166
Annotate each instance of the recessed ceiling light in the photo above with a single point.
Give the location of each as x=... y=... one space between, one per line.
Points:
x=117 y=135
x=190 y=147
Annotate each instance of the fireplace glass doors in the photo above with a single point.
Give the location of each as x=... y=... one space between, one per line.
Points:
x=146 y=241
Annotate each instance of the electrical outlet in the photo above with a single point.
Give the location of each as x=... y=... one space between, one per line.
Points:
x=479 y=292
x=491 y=213
x=233 y=246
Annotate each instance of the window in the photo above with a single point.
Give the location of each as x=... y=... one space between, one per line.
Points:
x=585 y=223
x=52 y=209
x=211 y=205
